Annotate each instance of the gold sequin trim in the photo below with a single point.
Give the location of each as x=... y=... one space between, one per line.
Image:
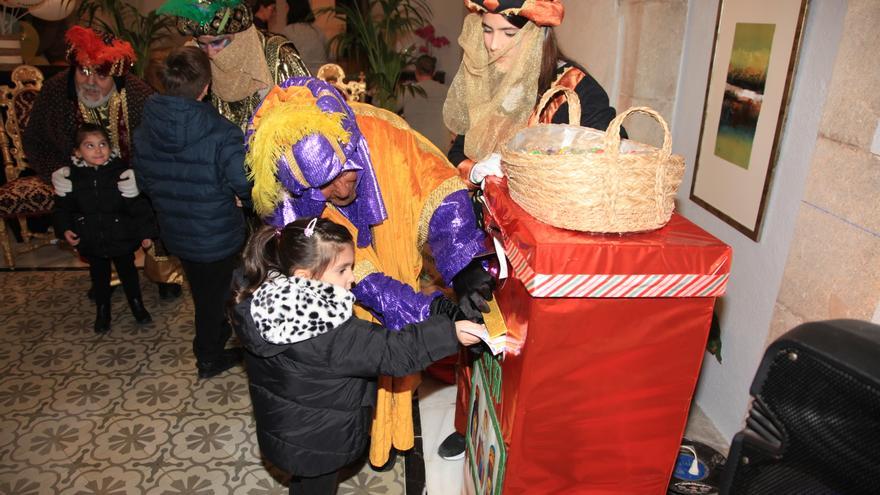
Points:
x=362 y=269
x=110 y=112
x=436 y=197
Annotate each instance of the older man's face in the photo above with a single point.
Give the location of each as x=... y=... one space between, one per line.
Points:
x=342 y=191
x=92 y=89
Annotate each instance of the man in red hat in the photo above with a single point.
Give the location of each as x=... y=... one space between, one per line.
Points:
x=97 y=89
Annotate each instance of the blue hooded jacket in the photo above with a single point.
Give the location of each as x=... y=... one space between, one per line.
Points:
x=189 y=161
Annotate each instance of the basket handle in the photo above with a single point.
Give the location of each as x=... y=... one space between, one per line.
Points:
x=574 y=103
x=612 y=135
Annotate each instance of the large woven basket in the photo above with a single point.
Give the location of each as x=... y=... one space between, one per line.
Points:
x=582 y=179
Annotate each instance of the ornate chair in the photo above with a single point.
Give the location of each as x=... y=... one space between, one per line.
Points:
x=20 y=197
x=353 y=90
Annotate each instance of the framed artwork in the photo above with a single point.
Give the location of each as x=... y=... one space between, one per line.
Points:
x=750 y=78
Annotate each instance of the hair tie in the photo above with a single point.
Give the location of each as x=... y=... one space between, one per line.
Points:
x=310 y=228
x=277 y=232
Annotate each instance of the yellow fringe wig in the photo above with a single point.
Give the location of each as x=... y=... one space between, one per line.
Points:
x=285 y=117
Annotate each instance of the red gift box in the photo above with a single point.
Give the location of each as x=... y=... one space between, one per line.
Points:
x=613 y=331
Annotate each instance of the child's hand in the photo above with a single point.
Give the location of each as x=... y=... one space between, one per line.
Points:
x=146 y=243
x=71 y=237
x=465 y=331
x=237 y=202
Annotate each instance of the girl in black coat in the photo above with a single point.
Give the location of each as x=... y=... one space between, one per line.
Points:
x=311 y=364
x=106 y=219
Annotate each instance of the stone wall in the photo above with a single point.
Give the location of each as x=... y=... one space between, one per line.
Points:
x=833 y=267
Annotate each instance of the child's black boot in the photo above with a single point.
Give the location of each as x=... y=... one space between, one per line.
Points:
x=102 y=318
x=140 y=313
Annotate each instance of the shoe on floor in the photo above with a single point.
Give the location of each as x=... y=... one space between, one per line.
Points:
x=452 y=448
x=228 y=359
x=102 y=318
x=140 y=313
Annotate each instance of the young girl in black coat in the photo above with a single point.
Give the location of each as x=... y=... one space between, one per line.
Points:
x=105 y=219
x=311 y=364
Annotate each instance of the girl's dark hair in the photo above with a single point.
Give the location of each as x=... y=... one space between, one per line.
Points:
x=288 y=249
x=85 y=129
x=300 y=11
x=550 y=57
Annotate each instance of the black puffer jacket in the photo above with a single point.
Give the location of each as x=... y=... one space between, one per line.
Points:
x=107 y=224
x=313 y=398
x=190 y=162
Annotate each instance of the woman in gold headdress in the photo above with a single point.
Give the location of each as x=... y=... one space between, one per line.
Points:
x=511 y=58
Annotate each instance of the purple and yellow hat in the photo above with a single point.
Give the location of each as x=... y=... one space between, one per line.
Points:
x=302 y=136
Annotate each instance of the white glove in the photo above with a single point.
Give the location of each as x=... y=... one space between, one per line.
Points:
x=127 y=185
x=490 y=165
x=60 y=181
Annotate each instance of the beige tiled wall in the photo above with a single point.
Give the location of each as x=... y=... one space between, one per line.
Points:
x=833 y=267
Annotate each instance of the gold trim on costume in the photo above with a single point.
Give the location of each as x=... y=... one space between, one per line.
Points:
x=434 y=199
x=107 y=116
x=362 y=269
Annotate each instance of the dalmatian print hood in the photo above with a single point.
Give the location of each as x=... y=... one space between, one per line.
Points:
x=291 y=309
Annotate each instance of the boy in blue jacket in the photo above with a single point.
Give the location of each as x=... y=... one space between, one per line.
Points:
x=190 y=162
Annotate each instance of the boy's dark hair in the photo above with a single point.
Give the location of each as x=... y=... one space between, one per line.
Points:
x=426 y=65
x=85 y=129
x=263 y=3
x=288 y=249
x=186 y=72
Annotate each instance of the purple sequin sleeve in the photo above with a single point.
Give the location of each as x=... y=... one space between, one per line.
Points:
x=453 y=235
x=394 y=303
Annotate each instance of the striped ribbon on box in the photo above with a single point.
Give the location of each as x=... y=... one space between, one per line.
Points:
x=606 y=285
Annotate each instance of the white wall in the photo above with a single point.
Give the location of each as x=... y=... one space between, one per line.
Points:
x=757 y=269
x=447 y=20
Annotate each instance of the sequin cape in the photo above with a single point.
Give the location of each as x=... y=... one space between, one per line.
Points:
x=416 y=181
x=49 y=135
x=284 y=63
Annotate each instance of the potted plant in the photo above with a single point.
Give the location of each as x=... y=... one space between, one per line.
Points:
x=374 y=31
x=126 y=22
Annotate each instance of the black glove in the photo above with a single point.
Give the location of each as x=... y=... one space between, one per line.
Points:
x=473 y=278
x=474 y=286
x=442 y=306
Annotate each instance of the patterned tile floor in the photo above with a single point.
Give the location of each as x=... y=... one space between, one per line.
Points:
x=124 y=413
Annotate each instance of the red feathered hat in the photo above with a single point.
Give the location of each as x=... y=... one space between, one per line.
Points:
x=99 y=52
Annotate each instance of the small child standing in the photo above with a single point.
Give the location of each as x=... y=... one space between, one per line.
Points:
x=106 y=219
x=312 y=365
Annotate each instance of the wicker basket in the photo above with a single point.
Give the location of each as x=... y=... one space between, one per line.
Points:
x=583 y=179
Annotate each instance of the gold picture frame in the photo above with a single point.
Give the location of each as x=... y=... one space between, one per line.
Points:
x=754 y=56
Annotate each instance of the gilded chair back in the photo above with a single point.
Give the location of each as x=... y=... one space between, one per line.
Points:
x=333 y=74
x=20 y=197
x=17 y=102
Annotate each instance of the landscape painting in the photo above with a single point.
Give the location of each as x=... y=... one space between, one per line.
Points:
x=751 y=75
x=744 y=92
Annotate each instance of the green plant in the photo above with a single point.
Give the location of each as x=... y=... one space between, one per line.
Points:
x=374 y=30
x=126 y=22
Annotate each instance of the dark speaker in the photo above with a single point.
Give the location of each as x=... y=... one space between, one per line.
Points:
x=814 y=424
